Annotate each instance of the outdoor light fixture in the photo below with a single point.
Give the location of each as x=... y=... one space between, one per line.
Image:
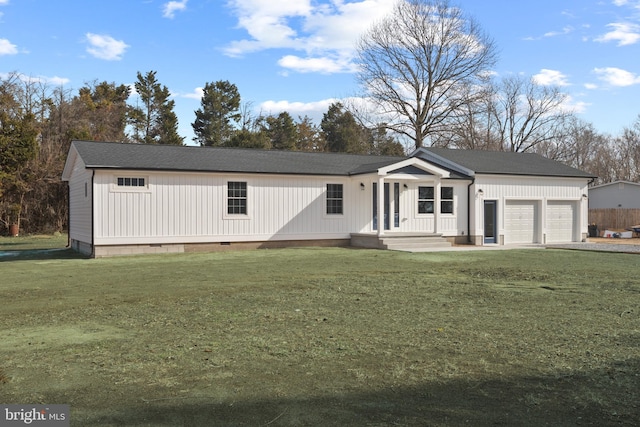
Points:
x=480 y=192
x=584 y=196
x=362 y=186
x=406 y=186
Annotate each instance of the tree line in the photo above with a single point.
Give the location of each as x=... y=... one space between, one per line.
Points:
x=425 y=75
x=38 y=123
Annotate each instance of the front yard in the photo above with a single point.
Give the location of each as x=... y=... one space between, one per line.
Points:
x=324 y=337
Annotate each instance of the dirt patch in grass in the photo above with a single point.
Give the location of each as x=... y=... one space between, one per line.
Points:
x=326 y=337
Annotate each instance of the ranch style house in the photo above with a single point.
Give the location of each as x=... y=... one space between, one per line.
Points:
x=135 y=198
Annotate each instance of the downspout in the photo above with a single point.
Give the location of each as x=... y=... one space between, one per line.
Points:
x=473 y=181
x=68 y=214
x=93 y=232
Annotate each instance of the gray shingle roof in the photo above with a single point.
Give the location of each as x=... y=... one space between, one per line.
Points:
x=111 y=155
x=506 y=163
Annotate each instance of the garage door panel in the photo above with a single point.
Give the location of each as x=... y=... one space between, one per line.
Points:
x=561 y=219
x=521 y=219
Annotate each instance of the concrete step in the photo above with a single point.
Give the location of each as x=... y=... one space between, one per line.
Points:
x=413 y=243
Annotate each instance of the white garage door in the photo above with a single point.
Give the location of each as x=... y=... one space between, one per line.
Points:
x=520 y=219
x=560 y=221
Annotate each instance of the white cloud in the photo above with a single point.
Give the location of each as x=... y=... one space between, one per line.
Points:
x=316 y=65
x=550 y=78
x=57 y=81
x=314 y=110
x=105 y=47
x=197 y=93
x=570 y=105
x=326 y=33
x=591 y=86
x=170 y=8
x=566 y=30
x=624 y=33
x=617 y=77
x=297 y=108
x=4 y=2
x=7 y=48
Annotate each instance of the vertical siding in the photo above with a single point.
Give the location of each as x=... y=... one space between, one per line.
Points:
x=80 y=203
x=618 y=194
x=540 y=189
x=191 y=208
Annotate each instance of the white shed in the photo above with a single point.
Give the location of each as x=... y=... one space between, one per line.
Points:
x=130 y=198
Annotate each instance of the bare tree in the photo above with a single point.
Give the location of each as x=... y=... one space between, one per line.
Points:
x=527 y=114
x=418 y=64
x=473 y=126
x=575 y=145
x=627 y=146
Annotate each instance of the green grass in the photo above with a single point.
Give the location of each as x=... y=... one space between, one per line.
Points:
x=326 y=337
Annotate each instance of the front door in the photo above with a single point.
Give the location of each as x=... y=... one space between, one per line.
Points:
x=387 y=205
x=490 y=221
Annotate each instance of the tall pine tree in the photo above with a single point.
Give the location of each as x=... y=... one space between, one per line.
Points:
x=154 y=122
x=219 y=111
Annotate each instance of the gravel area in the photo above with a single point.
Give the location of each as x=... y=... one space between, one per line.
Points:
x=628 y=248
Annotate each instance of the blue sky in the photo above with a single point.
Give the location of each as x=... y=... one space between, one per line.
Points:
x=296 y=55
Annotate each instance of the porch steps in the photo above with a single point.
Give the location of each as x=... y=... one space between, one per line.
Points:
x=413 y=243
x=401 y=242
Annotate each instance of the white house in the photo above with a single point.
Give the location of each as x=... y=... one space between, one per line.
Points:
x=129 y=198
x=615 y=195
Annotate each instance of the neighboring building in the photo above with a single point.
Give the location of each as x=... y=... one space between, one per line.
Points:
x=618 y=194
x=129 y=198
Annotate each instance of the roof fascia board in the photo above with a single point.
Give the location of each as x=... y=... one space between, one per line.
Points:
x=441 y=161
x=69 y=164
x=503 y=175
x=220 y=171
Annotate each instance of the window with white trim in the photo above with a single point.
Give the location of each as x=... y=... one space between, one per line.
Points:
x=446 y=200
x=127 y=181
x=425 y=200
x=236 y=198
x=335 y=199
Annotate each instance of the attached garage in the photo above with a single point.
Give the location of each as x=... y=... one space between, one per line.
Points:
x=561 y=220
x=521 y=219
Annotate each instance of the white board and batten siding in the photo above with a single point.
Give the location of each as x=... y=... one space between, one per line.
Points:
x=192 y=208
x=80 y=196
x=537 y=209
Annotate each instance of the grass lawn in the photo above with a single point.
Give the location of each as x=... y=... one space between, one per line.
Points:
x=339 y=337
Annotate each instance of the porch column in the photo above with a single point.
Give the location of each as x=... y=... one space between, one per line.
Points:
x=436 y=207
x=380 y=206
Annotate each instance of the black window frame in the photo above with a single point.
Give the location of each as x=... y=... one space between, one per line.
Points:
x=131 y=181
x=426 y=200
x=446 y=200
